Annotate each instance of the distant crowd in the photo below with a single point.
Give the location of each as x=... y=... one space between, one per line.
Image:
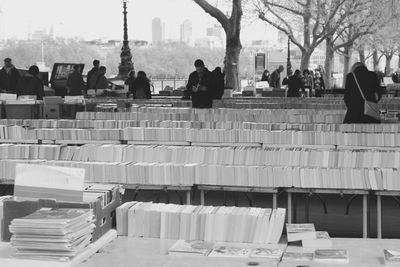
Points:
x=297 y=82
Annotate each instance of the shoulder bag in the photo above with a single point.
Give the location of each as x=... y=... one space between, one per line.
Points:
x=371 y=109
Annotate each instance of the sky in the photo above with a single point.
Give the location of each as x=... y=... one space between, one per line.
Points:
x=93 y=19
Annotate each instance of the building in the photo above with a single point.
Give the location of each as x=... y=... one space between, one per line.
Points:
x=158 y=31
x=186 y=32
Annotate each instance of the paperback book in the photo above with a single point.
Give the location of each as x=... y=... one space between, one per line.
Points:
x=191 y=248
x=297 y=232
x=332 y=255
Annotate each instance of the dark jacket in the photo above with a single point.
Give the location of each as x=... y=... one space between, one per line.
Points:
x=98 y=81
x=89 y=77
x=319 y=83
x=9 y=81
x=369 y=83
x=30 y=85
x=75 y=83
x=275 y=80
x=396 y=77
x=219 y=86
x=203 y=97
x=141 y=88
x=295 y=83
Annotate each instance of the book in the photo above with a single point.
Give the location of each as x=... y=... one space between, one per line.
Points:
x=297 y=232
x=323 y=240
x=391 y=256
x=298 y=256
x=230 y=251
x=332 y=255
x=192 y=248
x=267 y=253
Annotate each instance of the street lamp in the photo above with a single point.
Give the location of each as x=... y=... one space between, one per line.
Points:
x=126 y=64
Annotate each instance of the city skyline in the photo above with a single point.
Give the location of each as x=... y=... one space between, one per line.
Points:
x=106 y=20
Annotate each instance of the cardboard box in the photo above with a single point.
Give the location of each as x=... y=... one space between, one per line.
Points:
x=24 y=111
x=52 y=107
x=105 y=216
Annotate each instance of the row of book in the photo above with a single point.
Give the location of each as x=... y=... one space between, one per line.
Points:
x=226 y=125
x=208 y=223
x=205 y=136
x=278 y=117
x=246 y=156
x=245 y=176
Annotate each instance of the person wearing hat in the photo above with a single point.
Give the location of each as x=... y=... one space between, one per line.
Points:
x=9 y=76
x=200 y=86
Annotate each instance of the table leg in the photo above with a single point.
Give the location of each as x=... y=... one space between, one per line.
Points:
x=188 y=197
x=289 y=204
x=379 y=215
x=274 y=200
x=202 y=197
x=365 y=216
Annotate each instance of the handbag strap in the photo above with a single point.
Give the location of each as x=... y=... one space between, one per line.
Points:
x=358 y=85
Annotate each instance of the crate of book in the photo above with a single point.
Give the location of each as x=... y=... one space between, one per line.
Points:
x=68 y=111
x=21 y=110
x=102 y=199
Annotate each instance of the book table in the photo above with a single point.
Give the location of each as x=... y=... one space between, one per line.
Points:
x=310 y=191
x=132 y=252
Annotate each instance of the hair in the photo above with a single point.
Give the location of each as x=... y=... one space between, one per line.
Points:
x=281 y=67
x=77 y=67
x=306 y=71
x=297 y=73
x=33 y=70
x=96 y=62
x=358 y=65
x=102 y=68
x=199 y=63
x=141 y=74
x=7 y=59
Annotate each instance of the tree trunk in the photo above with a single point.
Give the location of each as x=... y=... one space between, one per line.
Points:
x=361 y=52
x=347 y=58
x=329 y=62
x=398 y=64
x=232 y=66
x=305 y=59
x=388 y=61
x=376 y=60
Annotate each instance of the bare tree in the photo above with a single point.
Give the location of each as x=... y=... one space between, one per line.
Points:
x=232 y=27
x=310 y=17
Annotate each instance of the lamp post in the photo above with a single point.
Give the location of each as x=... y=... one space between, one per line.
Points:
x=126 y=64
x=288 y=63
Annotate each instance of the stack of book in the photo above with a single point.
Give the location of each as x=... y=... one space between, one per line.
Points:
x=207 y=223
x=309 y=237
x=54 y=234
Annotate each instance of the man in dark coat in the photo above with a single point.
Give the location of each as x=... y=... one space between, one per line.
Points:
x=30 y=84
x=200 y=86
x=369 y=83
x=276 y=78
x=96 y=66
x=75 y=82
x=295 y=83
x=9 y=76
x=219 y=86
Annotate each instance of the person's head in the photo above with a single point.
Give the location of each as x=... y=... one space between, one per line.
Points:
x=142 y=74
x=77 y=68
x=132 y=74
x=266 y=72
x=297 y=73
x=33 y=70
x=306 y=72
x=102 y=70
x=280 y=68
x=358 y=65
x=199 y=65
x=7 y=62
x=96 y=63
x=317 y=74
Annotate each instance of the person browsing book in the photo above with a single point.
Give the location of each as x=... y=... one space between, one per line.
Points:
x=369 y=85
x=200 y=86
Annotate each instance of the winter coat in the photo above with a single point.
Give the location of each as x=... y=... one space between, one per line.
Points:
x=30 y=85
x=8 y=81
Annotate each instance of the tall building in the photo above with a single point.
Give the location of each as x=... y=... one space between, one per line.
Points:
x=158 y=31
x=186 y=32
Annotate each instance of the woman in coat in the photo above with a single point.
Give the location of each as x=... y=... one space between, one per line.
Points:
x=369 y=83
x=141 y=86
